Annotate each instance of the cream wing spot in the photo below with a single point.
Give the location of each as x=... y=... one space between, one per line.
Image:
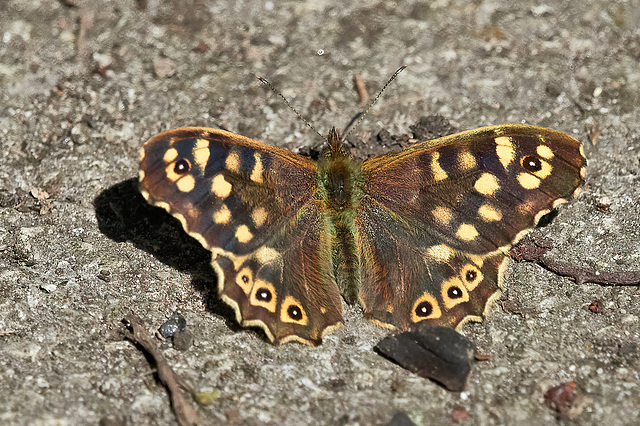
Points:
x=437 y=170
x=232 y=163
x=487 y=184
x=244 y=279
x=467 y=232
x=170 y=155
x=266 y=255
x=545 y=170
x=489 y=214
x=471 y=276
x=243 y=234
x=171 y=172
x=505 y=150
x=439 y=253
x=264 y=295
x=466 y=160
x=220 y=186
x=222 y=216
x=528 y=181
x=145 y=193
x=291 y=311
x=186 y=183
x=426 y=307
x=544 y=151
x=526 y=208
x=442 y=215
x=201 y=153
x=259 y=216
x=256 y=173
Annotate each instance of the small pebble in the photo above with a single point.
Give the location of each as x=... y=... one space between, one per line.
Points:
x=174 y=324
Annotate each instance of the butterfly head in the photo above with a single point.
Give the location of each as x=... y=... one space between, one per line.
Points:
x=339 y=174
x=334 y=149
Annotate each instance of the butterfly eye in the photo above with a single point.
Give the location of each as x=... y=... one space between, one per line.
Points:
x=531 y=164
x=424 y=309
x=454 y=292
x=471 y=275
x=263 y=295
x=245 y=279
x=294 y=312
x=182 y=166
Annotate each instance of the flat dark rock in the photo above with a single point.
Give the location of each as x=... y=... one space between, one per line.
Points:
x=437 y=353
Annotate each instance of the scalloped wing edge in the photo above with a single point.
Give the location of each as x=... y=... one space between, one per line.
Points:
x=215 y=251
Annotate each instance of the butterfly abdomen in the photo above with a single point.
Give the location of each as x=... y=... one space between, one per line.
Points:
x=340 y=191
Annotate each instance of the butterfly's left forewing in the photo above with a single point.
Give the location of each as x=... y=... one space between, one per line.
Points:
x=252 y=206
x=438 y=218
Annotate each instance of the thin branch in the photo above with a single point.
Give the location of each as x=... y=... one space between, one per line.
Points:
x=533 y=250
x=185 y=413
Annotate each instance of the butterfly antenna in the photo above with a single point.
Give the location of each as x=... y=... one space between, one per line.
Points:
x=277 y=92
x=360 y=117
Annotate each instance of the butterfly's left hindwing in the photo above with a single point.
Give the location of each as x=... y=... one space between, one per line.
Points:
x=286 y=286
x=445 y=213
x=252 y=206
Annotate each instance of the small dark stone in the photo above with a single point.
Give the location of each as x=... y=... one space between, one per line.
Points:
x=434 y=352
x=384 y=136
x=336 y=384
x=174 y=324
x=182 y=340
x=459 y=414
x=401 y=419
x=113 y=421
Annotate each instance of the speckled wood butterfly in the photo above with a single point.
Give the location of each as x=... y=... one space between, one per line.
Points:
x=417 y=235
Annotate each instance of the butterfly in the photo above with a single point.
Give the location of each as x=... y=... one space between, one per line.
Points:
x=417 y=235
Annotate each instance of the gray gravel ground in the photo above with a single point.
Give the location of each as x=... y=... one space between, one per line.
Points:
x=83 y=84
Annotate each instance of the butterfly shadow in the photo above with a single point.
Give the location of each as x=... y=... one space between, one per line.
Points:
x=124 y=215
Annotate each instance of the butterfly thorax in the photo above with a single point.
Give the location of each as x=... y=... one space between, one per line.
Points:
x=340 y=179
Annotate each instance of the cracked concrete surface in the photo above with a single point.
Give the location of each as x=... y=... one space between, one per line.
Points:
x=83 y=84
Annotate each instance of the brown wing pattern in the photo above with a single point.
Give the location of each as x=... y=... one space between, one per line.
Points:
x=439 y=216
x=250 y=204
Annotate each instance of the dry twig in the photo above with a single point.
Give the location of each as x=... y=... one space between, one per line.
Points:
x=185 y=412
x=533 y=250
